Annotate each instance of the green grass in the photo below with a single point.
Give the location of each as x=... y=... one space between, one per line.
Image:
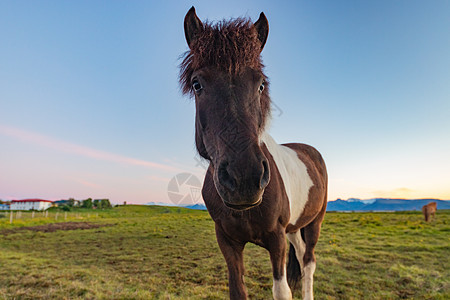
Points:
x=171 y=253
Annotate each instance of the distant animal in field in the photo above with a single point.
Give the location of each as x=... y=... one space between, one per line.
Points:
x=429 y=210
x=255 y=190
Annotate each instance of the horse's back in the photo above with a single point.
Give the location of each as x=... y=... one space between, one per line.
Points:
x=310 y=157
x=303 y=172
x=317 y=194
x=432 y=206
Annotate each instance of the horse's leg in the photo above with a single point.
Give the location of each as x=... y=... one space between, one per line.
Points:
x=299 y=245
x=233 y=253
x=276 y=244
x=311 y=235
x=296 y=254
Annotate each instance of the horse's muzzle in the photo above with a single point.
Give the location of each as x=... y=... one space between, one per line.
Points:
x=242 y=206
x=241 y=185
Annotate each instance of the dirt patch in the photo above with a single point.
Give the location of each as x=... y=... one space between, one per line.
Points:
x=52 y=227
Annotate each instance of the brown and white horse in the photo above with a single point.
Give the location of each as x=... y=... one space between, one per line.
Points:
x=429 y=210
x=255 y=189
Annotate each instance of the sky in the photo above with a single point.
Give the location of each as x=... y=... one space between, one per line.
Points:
x=90 y=104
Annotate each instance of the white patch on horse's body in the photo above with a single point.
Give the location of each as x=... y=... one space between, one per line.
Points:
x=280 y=289
x=307 y=281
x=294 y=173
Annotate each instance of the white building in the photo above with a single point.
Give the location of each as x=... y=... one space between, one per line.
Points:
x=29 y=204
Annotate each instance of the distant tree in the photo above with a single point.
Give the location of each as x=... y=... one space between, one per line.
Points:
x=87 y=203
x=102 y=203
x=105 y=203
x=71 y=202
x=66 y=208
x=96 y=203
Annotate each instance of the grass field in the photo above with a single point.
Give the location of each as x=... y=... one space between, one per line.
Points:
x=171 y=253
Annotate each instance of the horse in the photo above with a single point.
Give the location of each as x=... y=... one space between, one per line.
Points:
x=255 y=190
x=429 y=210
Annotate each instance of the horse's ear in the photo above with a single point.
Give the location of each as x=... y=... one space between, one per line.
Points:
x=262 y=27
x=192 y=26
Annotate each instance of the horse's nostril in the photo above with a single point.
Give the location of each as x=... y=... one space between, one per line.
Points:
x=265 y=177
x=225 y=178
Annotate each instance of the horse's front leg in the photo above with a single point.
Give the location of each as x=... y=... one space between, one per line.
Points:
x=233 y=253
x=276 y=244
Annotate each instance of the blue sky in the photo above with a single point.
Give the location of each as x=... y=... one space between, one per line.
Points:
x=90 y=104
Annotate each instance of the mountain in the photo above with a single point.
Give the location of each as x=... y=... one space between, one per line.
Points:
x=196 y=206
x=354 y=204
x=199 y=206
x=161 y=204
x=344 y=205
x=383 y=204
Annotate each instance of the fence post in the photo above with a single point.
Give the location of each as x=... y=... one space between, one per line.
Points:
x=56 y=216
x=11 y=218
x=65 y=215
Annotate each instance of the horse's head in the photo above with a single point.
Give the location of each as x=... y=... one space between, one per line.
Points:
x=223 y=70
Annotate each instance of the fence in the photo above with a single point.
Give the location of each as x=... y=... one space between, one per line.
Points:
x=13 y=216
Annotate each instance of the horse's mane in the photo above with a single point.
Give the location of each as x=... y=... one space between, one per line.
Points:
x=227 y=45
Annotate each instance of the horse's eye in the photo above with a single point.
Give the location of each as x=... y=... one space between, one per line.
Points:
x=196 y=86
x=261 y=87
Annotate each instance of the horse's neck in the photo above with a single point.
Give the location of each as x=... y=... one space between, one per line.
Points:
x=283 y=157
x=294 y=174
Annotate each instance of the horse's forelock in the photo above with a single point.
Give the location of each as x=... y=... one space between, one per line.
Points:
x=228 y=46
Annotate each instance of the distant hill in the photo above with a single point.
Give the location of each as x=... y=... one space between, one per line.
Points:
x=383 y=204
x=199 y=206
x=161 y=204
x=354 y=204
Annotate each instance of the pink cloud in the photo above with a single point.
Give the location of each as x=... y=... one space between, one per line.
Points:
x=87 y=183
x=63 y=146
